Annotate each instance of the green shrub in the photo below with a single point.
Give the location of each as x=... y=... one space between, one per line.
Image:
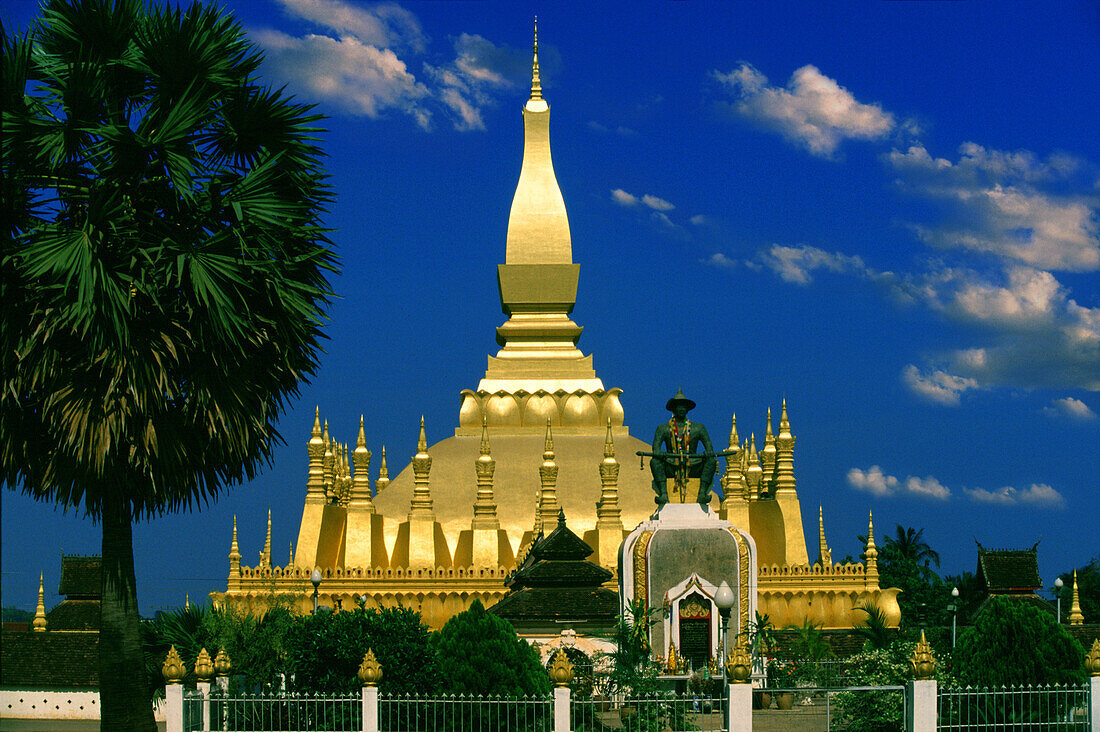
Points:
x=875 y=711
x=480 y=653
x=1014 y=642
x=324 y=651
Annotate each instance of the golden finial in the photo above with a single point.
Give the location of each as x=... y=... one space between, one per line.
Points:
x=484 y=436
x=922 y=663
x=222 y=665
x=768 y=436
x=609 y=443
x=361 y=440
x=383 y=473
x=536 y=83
x=548 y=445
x=290 y=559
x=870 y=553
x=735 y=441
x=316 y=433
x=825 y=557
x=204 y=667
x=561 y=669
x=234 y=550
x=173 y=669
x=784 y=423
x=370 y=671
x=739 y=663
x=422 y=440
x=673 y=663
x=325 y=436
x=1076 y=617
x=1092 y=659
x=754 y=457
x=265 y=558
x=187 y=601
x=39 y=622
x=421 y=504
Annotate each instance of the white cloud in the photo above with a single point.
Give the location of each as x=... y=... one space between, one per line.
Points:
x=621 y=197
x=382 y=25
x=999 y=203
x=813 y=111
x=878 y=483
x=795 y=264
x=657 y=204
x=663 y=219
x=1070 y=407
x=927 y=486
x=345 y=73
x=873 y=480
x=1038 y=494
x=720 y=260
x=937 y=386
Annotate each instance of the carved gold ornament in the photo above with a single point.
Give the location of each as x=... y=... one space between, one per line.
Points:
x=641 y=572
x=204 y=667
x=221 y=663
x=694 y=608
x=1092 y=659
x=673 y=665
x=173 y=669
x=561 y=669
x=922 y=663
x=739 y=664
x=370 y=671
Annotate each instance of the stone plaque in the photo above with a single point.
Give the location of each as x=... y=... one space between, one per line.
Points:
x=695 y=641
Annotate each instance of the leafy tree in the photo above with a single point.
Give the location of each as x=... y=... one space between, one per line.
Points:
x=163 y=277
x=876 y=633
x=324 y=650
x=480 y=653
x=13 y=614
x=874 y=711
x=905 y=563
x=909 y=543
x=1014 y=642
x=971 y=594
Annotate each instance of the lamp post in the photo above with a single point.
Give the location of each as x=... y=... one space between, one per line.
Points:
x=954 y=612
x=724 y=599
x=1058 y=584
x=315 y=578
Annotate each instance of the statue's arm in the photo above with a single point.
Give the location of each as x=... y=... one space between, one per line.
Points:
x=659 y=437
x=705 y=439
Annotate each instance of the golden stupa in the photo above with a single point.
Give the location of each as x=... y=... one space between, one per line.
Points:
x=538 y=434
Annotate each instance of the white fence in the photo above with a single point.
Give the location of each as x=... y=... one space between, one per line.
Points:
x=1038 y=708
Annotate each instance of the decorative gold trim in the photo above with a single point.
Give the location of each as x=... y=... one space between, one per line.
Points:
x=640 y=574
x=204 y=667
x=694 y=608
x=922 y=663
x=561 y=669
x=173 y=669
x=370 y=671
x=1092 y=659
x=742 y=580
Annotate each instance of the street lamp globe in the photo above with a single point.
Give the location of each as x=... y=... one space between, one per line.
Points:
x=724 y=598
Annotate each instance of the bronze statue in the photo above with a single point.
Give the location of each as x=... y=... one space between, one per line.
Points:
x=674 y=452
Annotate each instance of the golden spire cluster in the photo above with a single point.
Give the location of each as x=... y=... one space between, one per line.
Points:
x=755 y=475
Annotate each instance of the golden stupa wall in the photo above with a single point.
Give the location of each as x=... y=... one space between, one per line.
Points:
x=538 y=435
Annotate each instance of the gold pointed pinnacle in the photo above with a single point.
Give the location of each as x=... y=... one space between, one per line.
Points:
x=233 y=549
x=536 y=83
x=548 y=446
x=361 y=440
x=316 y=422
x=39 y=623
x=735 y=440
x=768 y=431
x=324 y=436
x=383 y=471
x=784 y=423
x=609 y=443
x=422 y=440
x=484 y=436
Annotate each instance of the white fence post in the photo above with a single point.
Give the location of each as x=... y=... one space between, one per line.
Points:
x=920 y=706
x=740 y=707
x=561 y=708
x=173 y=707
x=370 y=709
x=203 y=687
x=1094 y=703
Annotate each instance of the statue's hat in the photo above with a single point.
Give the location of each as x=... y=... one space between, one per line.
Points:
x=679 y=399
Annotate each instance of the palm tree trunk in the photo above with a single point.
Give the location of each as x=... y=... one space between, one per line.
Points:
x=124 y=701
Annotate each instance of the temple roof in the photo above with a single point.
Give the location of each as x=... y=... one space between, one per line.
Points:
x=561 y=544
x=81 y=577
x=1009 y=570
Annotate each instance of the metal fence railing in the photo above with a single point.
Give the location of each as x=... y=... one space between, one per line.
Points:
x=277 y=712
x=458 y=713
x=1040 y=708
x=838 y=708
x=648 y=714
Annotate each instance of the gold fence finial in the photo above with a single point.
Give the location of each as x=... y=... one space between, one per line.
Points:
x=1092 y=659
x=173 y=669
x=370 y=671
x=739 y=663
x=922 y=663
x=204 y=667
x=39 y=623
x=222 y=665
x=561 y=669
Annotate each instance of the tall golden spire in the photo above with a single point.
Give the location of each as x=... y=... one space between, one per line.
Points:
x=870 y=553
x=39 y=622
x=767 y=455
x=422 y=465
x=1076 y=617
x=731 y=479
x=265 y=555
x=548 y=475
x=754 y=475
x=824 y=556
x=234 y=559
x=607 y=510
x=329 y=462
x=536 y=83
x=784 y=454
x=360 y=483
x=485 y=507
x=315 y=485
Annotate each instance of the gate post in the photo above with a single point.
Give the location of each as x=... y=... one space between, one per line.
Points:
x=1094 y=703
x=370 y=709
x=173 y=671
x=740 y=707
x=561 y=674
x=920 y=706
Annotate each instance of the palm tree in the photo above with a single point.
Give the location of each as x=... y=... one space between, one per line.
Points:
x=164 y=277
x=908 y=543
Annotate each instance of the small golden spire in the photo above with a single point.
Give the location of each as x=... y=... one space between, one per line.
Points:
x=422 y=440
x=484 y=447
x=421 y=504
x=784 y=423
x=735 y=441
x=769 y=437
x=536 y=83
x=265 y=555
x=607 y=510
x=316 y=433
x=187 y=601
x=383 y=473
x=360 y=484
x=548 y=474
x=870 y=553
x=234 y=550
x=825 y=557
x=361 y=440
x=1076 y=617
x=485 y=509
x=290 y=559
x=39 y=623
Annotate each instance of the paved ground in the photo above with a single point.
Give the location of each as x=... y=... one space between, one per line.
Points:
x=52 y=725
x=797 y=719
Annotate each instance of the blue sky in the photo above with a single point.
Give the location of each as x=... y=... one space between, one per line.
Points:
x=886 y=213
